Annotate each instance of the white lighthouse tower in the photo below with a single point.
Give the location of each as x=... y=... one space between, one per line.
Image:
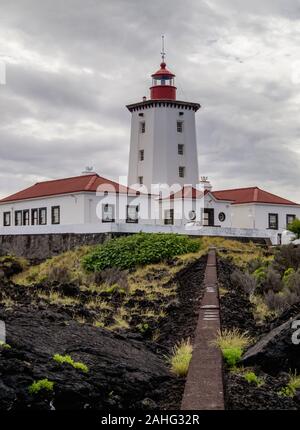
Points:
x=163 y=147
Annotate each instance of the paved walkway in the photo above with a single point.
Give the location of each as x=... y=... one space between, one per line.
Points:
x=2 y=331
x=204 y=385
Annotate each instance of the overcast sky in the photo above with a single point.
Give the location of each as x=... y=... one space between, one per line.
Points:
x=73 y=65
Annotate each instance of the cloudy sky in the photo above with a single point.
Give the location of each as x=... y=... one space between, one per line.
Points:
x=73 y=65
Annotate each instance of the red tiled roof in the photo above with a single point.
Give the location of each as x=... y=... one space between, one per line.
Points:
x=83 y=183
x=251 y=195
x=187 y=193
x=236 y=196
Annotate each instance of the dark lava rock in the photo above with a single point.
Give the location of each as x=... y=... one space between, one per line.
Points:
x=122 y=373
x=236 y=308
x=9 y=266
x=70 y=290
x=240 y=395
x=183 y=313
x=276 y=350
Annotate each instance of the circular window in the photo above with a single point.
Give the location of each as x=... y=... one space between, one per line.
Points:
x=192 y=215
x=222 y=217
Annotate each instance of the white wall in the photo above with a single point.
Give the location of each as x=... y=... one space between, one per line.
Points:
x=160 y=145
x=93 y=207
x=71 y=208
x=257 y=215
x=135 y=228
x=196 y=205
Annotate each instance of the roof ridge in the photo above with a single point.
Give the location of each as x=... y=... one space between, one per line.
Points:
x=237 y=189
x=64 y=179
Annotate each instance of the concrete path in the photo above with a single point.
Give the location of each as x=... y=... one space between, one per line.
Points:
x=2 y=332
x=204 y=385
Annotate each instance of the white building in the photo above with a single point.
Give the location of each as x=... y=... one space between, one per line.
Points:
x=163 y=150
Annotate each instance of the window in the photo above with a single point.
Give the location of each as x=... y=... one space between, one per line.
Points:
x=290 y=219
x=141 y=114
x=6 y=219
x=26 y=217
x=180 y=149
x=222 y=217
x=169 y=217
x=108 y=213
x=273 y=221
x=55 y=215
x=132 y=214
x=141 y=180
x=181 y=172
x=18 y=218
x=181 y=113
x=142 y=127
x=141 y=155
x=179 y=127
x=43 y=216
x=34 y=216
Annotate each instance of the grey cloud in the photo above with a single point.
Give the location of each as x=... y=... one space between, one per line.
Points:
x=220 y=50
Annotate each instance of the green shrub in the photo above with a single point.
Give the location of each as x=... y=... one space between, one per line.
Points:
x=232 y=344
x=294 y=227
x=42 y=384
x=62 y=359
x=138 y=250
x=181 y=357
x=288 y=274
x=252 y=378
x=232 y=356
x=4 y=345
x=260 y=275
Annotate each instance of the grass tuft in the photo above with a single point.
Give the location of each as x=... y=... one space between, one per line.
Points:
x=181 y=357
x=291 y=389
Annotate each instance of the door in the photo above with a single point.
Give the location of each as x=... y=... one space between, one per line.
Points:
x=209 y=217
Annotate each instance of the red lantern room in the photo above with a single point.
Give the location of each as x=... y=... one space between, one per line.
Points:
x=163 y=84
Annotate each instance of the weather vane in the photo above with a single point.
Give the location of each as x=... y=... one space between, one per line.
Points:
x=163 y=54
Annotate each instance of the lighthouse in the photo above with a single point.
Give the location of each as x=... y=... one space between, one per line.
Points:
x=163 y=145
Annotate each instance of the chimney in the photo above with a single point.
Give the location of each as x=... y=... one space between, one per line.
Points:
x=205 y=183
x=89 y=170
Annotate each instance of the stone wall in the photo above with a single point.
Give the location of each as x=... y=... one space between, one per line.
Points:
x=38 y=247
x=42 y=246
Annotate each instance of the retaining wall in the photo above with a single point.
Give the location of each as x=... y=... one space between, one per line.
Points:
x=42 y=246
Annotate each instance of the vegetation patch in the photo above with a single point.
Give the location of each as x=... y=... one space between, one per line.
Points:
x=63 y=268
x=4 y=345
x=232 y=344
x=138 y=250
x=294 y=227
x=252 y=378
x=41 y=385
x=291 y=389
x=62 y=359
